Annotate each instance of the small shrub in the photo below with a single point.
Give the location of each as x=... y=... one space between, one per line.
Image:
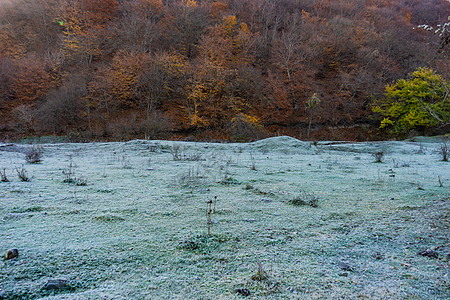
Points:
x=68 y=172
x=305 y=199
x=248 y=187
x=203 y=243
x=406 y=165
x=33 y=155
x=177 y=152
x=421 y=149
x=378 y=156
x=69 y=176
x=22 y=174
x=76 y=181
x=80 y=181
x=261 y=274
x=253 y=165
x=228 y=180
x=444 y=151
x=3 y=176
x=190 y=179
x=126 y=163
x=194 y=157
x=69 y=180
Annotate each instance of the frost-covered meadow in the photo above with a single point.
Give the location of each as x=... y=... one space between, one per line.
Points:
x=129 y=220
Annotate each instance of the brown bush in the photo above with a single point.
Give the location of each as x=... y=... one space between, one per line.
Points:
x=130 y=127
x=246 y=128
x=64 y=107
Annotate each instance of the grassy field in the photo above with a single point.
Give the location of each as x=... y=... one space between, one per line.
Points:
x=288 y=220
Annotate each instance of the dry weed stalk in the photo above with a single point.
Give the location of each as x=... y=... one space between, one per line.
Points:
x=22 y=174
x=208 y=215
x=261 y=274
x=3 y=176
x=444 y=151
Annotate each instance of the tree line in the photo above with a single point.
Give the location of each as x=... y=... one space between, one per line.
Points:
x=231 y=69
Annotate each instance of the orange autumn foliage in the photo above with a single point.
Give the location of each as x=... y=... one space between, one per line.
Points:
x=84 y=24
x=211 y=67
x=30 y=82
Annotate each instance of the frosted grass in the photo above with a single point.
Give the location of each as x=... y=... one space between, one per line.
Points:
x=120 y=236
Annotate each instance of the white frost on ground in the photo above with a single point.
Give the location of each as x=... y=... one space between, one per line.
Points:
x=123 y=235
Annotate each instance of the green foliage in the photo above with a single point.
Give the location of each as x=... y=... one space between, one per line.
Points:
x=203 y=243
x=229 y=181
x=418 y=102
x=108 y=218
x=313 y=101
x=261 y=274
x=305 y=199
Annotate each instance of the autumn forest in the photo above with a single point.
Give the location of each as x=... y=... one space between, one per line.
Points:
x=233 y=70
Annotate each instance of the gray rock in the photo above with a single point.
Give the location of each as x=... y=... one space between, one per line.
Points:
x=429 y=253
x=378 y=255
x=56 y=284
x=243 y=292
x=11 y=253
x=344 y=266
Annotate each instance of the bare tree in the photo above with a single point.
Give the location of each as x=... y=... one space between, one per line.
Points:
x=63 y=108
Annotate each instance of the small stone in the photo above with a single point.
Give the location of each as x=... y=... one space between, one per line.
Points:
x=429 y=253
x=56 y=284
x=243 y=292
x=11 y=253
x=378 y=255
x=343 y=274
x=344 y=266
